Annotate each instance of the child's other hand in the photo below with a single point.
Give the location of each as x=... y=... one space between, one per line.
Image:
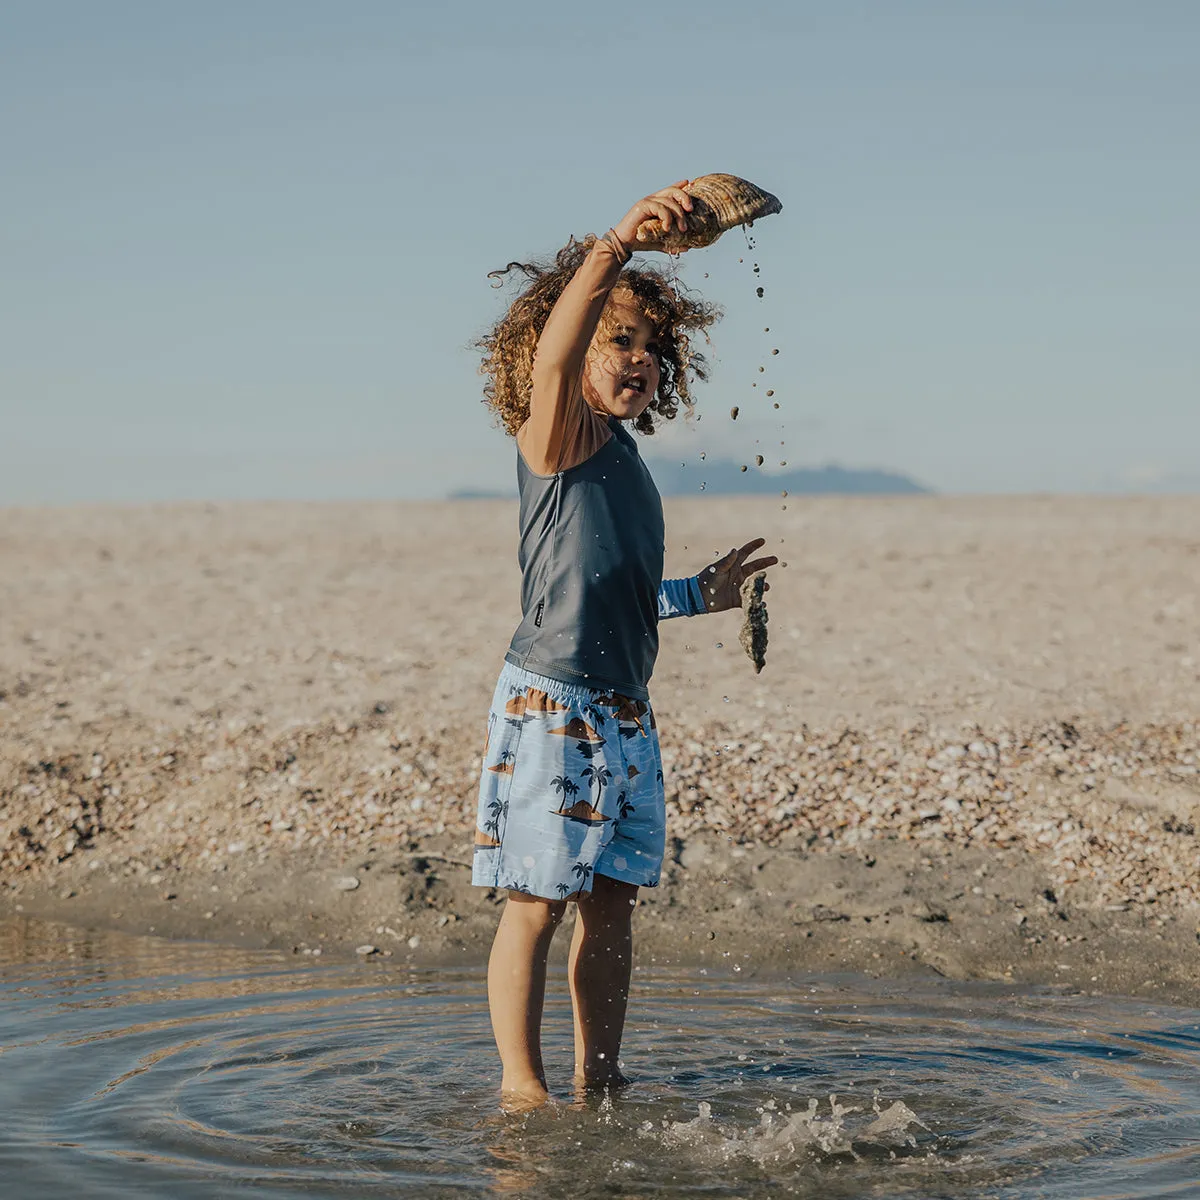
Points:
x=670 y=206
x=721 y=583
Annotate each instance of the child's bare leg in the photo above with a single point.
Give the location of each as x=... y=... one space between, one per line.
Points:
x=601 y=957
x=517 y=990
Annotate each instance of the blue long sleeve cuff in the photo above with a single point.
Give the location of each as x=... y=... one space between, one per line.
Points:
x=680 y=598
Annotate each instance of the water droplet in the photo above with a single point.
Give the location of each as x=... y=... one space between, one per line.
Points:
x=733 y=412
x=743 y=466
x=783 y=564
x=702 y=487
x=784 y=494
x=703 y=456
x=766 y=329
x=705 y=274
x=758 y=292
x=720 y=645
x=783 y=462
x=775 y=351
x=758 y=460
x=770 y=393
x=761 y=370
x=741 y=260
x=776 y=403
x=725 y=698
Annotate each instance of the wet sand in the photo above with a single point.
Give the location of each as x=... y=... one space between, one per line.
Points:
x=973 y=749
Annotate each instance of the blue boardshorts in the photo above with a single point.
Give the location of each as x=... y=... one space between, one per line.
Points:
x=571 y=788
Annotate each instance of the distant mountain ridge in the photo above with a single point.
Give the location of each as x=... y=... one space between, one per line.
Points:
x=725 y=477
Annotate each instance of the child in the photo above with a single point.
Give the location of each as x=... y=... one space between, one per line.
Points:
x=571 y=796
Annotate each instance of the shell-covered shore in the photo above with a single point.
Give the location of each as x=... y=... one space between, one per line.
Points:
x=185 y=685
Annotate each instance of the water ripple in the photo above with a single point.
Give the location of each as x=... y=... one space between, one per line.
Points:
x=199 y=1072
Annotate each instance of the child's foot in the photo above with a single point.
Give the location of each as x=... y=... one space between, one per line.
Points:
x=610 y=1080
x=523 y=1097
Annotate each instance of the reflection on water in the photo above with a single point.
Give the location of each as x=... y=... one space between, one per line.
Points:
x=177 y=1070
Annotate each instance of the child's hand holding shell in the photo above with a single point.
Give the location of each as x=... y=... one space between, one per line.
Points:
x=670 y=206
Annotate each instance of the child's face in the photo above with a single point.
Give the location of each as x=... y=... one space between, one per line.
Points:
x=621 y=371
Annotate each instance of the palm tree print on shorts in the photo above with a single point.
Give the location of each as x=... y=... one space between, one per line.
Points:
x=488 y=838
x=504 y=765
x=598 y=777
x=581 y=810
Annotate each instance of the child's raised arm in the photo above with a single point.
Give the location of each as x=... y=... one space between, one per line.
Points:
x=550 y=439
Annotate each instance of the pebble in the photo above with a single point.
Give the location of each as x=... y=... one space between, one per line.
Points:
x=346 y=883
x=366 y=951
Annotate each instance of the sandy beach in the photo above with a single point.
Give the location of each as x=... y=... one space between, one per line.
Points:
x=974 y=748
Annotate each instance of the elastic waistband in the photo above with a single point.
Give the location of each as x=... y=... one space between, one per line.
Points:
x=557 y=688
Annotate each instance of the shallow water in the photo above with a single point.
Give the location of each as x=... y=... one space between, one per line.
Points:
x=135 y=1066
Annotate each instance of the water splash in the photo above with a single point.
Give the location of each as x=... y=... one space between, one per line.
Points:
x=786 y=1134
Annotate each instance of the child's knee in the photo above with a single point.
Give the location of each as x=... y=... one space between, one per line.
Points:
x=535 y=911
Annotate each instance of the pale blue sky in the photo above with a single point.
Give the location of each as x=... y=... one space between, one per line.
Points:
x=244 y=245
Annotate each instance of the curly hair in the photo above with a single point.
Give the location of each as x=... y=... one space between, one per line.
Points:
x=509 y=346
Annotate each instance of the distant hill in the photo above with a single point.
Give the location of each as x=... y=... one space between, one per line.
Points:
x=724 y=477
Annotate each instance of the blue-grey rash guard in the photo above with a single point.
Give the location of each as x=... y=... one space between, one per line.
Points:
x=591 y=556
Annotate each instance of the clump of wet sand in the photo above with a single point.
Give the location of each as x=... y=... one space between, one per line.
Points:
x=752 y=636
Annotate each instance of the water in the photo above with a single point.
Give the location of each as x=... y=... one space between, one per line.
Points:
x=133 y=1066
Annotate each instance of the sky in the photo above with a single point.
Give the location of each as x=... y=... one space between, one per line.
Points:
x=244 y=246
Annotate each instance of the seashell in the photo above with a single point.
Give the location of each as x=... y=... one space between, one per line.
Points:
x=719 y=203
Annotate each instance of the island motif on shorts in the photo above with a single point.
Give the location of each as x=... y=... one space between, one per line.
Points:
x=570 y=786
